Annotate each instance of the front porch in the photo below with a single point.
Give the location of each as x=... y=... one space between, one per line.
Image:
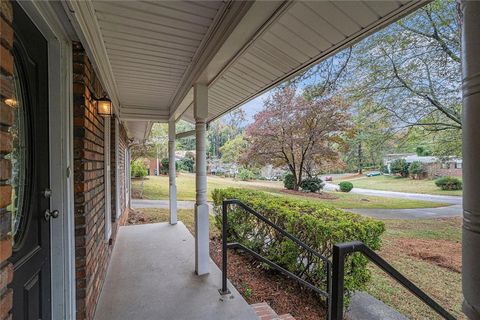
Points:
x=150 y=276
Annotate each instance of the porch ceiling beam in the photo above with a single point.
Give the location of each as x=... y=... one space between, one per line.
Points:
x=185 y=134
x=125 y=116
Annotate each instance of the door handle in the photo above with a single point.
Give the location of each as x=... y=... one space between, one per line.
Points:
x=51 y=214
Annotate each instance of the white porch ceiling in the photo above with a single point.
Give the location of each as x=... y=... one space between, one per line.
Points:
x=301 y=34
x=150 y=45
x=149 y=53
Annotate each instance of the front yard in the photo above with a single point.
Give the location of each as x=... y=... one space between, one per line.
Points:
x=156 y=188
x=427 y=251
x=400 y=184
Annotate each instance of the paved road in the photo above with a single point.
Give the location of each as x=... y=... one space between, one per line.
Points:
x=453 y=210
x=454 y=200
x=164 y=204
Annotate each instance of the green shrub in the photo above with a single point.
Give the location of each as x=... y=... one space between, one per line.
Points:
x=399 y=166
x=186 y=164
x=165 y=165
x=316 y=224
x=449 y=183
x=288 y=181
x=345 y=186
x=313 y=184
x=244 y=174
x=416 y=169
x=138 y=169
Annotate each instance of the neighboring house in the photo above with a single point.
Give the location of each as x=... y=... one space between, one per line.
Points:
x=81 y=81
x=434 y=166
x=271 y=173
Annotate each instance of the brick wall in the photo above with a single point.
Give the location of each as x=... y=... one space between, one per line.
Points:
x=92 y=250
x=6 y=120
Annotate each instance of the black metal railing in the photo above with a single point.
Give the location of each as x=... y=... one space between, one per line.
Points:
x=340 y=251
x=236 y=245
x=335 y=269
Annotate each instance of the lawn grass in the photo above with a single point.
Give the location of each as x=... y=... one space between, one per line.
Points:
x=443 y=284
x=156 y=188
x=400 y=184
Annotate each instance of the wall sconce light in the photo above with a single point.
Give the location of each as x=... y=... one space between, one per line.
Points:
x=104 y=107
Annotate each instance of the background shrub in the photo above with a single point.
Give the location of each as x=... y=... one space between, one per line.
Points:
x=245 y=174
x=288 y=181
x=316 y=224
x=186 y=164
x=449 y=183
x=165 y=164
x=313 y=184
x=345 y=186
x=416 y=169
x=138 y=169
x=399 y=166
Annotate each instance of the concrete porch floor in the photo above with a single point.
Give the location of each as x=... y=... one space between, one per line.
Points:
x=151 y=276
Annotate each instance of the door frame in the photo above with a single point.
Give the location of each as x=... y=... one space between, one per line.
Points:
x=45 y=15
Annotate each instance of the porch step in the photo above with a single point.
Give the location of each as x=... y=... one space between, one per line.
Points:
x=265 y=312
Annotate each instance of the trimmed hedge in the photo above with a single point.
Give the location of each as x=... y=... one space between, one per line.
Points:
x=449 y=183
x=345 y=186
x=288 y=181
x=313 y=184
x=318 y=225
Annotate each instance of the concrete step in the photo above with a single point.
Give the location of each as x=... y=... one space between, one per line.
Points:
x=265 y=312
x=365 y=307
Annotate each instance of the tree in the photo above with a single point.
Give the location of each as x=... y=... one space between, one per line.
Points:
x=155 y=146
x=234 y=150
x=292 y=131
x=412 y=70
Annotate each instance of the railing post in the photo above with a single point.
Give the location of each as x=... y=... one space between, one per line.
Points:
x=224 y=289
x=336 y=311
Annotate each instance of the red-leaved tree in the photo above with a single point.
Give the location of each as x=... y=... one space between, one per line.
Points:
x=295 y=132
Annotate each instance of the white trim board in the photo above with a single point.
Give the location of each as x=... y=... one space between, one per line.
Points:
x=60 y=78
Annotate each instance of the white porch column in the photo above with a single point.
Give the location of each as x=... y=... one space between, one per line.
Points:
x=172 y=191
x=471 y=158
x=200 y=105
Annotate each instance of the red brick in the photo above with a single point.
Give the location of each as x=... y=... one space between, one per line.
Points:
x=6 y=10
x=6 y=60
x=5 y=249
x=6 y=33
x=6 y=86
x=5 y=196
x=5 y=142
x=6 y=114
x=5 y=169
x=6 y=302
x=6 y=275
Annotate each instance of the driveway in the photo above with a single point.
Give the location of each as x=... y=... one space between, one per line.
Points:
x=453 y=210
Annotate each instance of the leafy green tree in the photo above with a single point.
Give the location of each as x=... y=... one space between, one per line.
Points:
x=234 y=150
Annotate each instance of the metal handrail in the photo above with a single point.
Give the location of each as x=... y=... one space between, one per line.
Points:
x=335 y=277
x=225 y=246
x=339 y=253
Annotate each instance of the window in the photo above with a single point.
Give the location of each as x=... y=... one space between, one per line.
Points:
x=458 y=165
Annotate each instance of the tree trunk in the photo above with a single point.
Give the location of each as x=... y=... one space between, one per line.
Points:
x=360 y=158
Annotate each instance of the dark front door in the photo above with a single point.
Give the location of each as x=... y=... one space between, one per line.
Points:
x=30 y=172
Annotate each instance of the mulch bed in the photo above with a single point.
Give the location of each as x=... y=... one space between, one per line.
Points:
x=257 y=284
x=326 y=196
x=138 y=217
